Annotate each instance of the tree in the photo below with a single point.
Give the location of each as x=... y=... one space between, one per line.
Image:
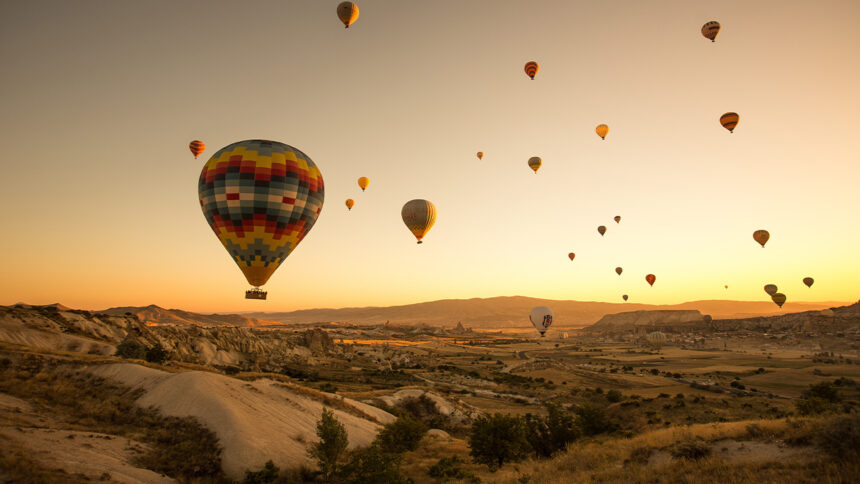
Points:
x=592 y=420
x=402 y=435
x=497 y=439
x=371 y=465
x=131 y=348
x=156 y=354
x=266 y=475
x=331 y=446
x=552 y=433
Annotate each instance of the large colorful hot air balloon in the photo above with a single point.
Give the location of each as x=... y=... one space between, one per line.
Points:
x=770 y=289
x=541 y=317
x=602 y=130
x=196 y=147
x=571 y=255
x=729 y=121
x=480 y=155
x=625 y=297
x=531 y=69
x=350 y=203
x=710 y=30
x=651 y=278
x=347 y=12
x=778 y=298
x=534 y=163
x=808 y=281
x=363 y=182
x=260 y=198
x=618 y=219
x=419 y=217
x=761 y=236
x=601 y=230
x=619 y=270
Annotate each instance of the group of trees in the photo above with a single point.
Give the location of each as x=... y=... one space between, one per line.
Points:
x=134 y=349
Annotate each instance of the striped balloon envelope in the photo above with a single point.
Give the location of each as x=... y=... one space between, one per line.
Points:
x=260 y=198
x=535 y=163
x=196 y=147
x=710 y=30
x=531 y=69
x=729 y=121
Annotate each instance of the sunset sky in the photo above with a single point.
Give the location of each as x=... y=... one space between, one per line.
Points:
x=100 y=99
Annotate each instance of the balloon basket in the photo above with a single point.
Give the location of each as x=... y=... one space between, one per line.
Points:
x=255 y=294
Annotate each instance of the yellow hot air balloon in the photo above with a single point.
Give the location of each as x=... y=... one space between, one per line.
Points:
x=347 y=12
x=480 y=155
x=710 y=30
x=534 y=163
x=363 y=182
x=531 y=69
x=601 y=230
x=778 y=298
x=657 y=338
x=770 y=289
x=350 y=203
x=729 y=121
x=761 y=236
x=602 y=130
x=419 y=217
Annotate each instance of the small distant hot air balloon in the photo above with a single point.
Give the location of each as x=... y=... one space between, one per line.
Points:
x=363 y=182
x=619 y=270
x=601 y=229
x=827 y=312
x=534 y=163
x=726 y=286
x=729 y=121
x=602 y=130
x=347 y=12
x=350 y=203
x=196 y=147
x=656 y=338
x=808 y=281
x=708 y=318
x=761 y=236
x=625 y=297
x=778 y=298
x=571 y=255
x=532 y=69
x=419 y=217
x=770 y=289
x=651 y=278
x=480 y=155
x=710 y=30
x=541 y=317
x=618 y=219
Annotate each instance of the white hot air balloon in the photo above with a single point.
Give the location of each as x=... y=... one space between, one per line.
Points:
x=541 y=317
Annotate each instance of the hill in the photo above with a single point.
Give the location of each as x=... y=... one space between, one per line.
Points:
x=153 y=315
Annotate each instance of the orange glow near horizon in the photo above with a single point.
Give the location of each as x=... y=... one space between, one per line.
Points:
x=100 y=202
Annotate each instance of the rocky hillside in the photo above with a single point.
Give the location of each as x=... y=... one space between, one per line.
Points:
x=153 y=315
x=660 y=318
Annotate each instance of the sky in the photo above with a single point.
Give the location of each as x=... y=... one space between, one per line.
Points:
x=100 y=99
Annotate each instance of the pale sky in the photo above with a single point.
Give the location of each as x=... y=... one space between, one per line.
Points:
x=100 y=99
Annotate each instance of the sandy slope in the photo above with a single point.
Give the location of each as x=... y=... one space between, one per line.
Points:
x=255 y=421
x=49 y=337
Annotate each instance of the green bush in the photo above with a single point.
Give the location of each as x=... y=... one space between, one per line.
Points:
x=266 y=475
x=824 y=390
x=592 y=420
x=448 y=468
x=156 y=354
x=497 y=439
x=691 y=450
x=813 y=406
x=402 y=435
x=131 y=348
x=371 y=465
x=331 y=446
x=840 y=437
x=614 y=396
x=551 y=434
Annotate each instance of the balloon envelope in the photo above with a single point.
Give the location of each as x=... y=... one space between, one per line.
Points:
x=625 y=297
x=778 y=298
x=808 y=281
x=571 y=255
x=480 y=155
x=535 y=162
x=729 y=121
x=618 y=270
x=656 y=338
x=618 y=219
x=601 y=229
x=350 y=203
x=531 y=69
x=602 y=130
x=347 y=12
x=541 y=317
x=419 y=217
x=770 y=289
x=651 y=278
x=261 y=198
x=761 y=236
x=710 y=30
x=196 y=147
x=363 y=183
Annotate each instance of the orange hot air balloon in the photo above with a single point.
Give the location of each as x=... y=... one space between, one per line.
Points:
x=196 y=147
x=618 y=219
x=363 y=182
x=625 y=297
x=601 y=229
x=602 y=130
x=571 y=255
x=729 y=121
x=350 y=203
x=727 y=286
x=808 y=281
x=531 y=69
x=778 y=298
x=347 y=12
x=480 y=155
x=761 y=236
x=710 y=30
x=651 y=278
x=619 y=270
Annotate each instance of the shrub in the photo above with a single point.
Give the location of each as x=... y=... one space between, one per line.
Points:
x=156 y=354
x=497 y=439
x=131 y=348
x=592 y=420
x=402 y=435
x=840 y=437
x=691 y=450
x=371 y=465
x=550 y=434
x=448 y=468
x=332 y=444
x=614 y=396
x=824 y=390
x=266 y=475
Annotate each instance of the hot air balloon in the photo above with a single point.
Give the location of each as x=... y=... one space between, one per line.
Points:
x=651 y=278
x=726 y=286
x=625 y=297
x=827 y=312
x=347 y=12
x=419 y=217
x=350 y=203
x=532 y=69
x=708 y=318
x=196 y=147
x=363 y=182
x=770 y=289
x=778 y=298
x=571 y=255
x=260 y=198
x=535 y=163
x=601 y=229
x=541 y=317
x=729 y=121
x=761 y=236
x=710 y=30
x=618 y=219
x=602 y=130
x=808 y=281
x=618 y=270
x=480 y=155
x=656 y=338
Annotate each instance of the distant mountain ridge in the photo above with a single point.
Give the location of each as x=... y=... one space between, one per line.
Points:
x=153 y=315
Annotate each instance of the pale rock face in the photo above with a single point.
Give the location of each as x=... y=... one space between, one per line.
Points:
x=647 y=318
